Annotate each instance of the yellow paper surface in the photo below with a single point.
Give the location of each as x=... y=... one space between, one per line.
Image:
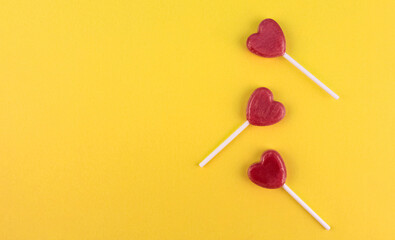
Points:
x=107 y=107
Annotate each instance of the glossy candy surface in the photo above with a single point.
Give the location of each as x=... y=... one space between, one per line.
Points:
x=262 y=110
x=269 y=41
x=270 y=172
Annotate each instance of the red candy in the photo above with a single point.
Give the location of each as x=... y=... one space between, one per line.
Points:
x=262 y=110
x=269 y=41
x=270 y=172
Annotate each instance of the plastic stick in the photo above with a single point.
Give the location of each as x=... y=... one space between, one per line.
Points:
x=224 y=143
x=311 y=76
x=306 y=207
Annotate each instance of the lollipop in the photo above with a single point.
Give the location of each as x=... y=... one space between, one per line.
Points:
x=261 y=111
x=269 y=42
x=270 y=173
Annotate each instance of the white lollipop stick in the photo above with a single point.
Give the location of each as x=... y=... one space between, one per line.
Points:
x=307 y=208
x=311 y=76
x=223 y=145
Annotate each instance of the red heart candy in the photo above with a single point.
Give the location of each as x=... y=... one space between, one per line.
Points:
x=270 y=172
x=269 y=41
x=262 y=110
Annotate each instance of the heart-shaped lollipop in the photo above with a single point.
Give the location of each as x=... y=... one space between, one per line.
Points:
x=269 y=42
x=270 y=173
x=261 y=111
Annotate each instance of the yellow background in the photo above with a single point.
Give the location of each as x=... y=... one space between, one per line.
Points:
x=107 y=107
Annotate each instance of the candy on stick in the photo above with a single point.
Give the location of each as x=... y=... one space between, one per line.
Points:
x=261 y=111
x=269 y=42
x=270 y=173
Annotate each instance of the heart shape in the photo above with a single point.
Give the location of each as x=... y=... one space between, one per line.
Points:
x=262 y=110
x=270 y=172
x=269 y=41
